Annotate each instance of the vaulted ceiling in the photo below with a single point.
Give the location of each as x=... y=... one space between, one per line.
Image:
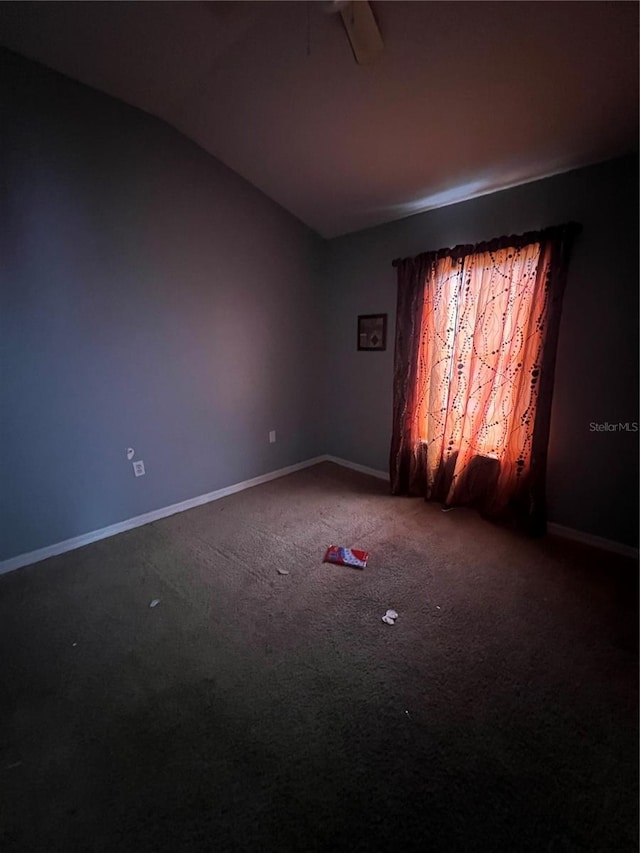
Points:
x=467 y=98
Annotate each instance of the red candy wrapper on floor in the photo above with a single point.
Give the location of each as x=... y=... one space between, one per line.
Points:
x=346 y=557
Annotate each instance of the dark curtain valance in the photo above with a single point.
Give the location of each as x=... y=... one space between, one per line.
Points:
x=513 y=241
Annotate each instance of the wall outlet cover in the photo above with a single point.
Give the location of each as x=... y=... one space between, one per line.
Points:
x=138 y=468
x=272 y=436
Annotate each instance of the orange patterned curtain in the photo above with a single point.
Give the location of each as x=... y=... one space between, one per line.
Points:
x=476 y=335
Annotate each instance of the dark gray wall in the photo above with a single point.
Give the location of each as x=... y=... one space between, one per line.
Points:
x=593 y=476
x=149 y=297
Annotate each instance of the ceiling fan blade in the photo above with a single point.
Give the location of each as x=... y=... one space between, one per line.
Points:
x=363 y=32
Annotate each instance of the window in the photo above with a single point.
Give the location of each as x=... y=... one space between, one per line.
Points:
x=476 y=336
x=479 y=351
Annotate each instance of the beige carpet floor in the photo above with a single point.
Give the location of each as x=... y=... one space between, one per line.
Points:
x=254 y=711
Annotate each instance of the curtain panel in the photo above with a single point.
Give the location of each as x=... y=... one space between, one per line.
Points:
x=476 y=340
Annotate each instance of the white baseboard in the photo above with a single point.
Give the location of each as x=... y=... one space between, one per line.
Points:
x=591 y=540
x=95 y=535
x=363 y=469
x=27 y=559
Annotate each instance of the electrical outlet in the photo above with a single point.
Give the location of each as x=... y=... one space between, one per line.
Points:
x=138 y=468
x=272 y=437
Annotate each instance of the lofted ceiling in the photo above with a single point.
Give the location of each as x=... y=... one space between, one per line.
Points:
x=467 y=98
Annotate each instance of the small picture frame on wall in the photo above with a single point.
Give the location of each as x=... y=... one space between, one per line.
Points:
x=372 y=332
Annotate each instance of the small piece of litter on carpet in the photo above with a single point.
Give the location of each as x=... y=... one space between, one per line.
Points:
x=283 y=571
x=74 y=644
x=407 y=713
x=155 y=602
x=12 y=766
x=346 y=557
x=437 y=607
x=390 y=617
